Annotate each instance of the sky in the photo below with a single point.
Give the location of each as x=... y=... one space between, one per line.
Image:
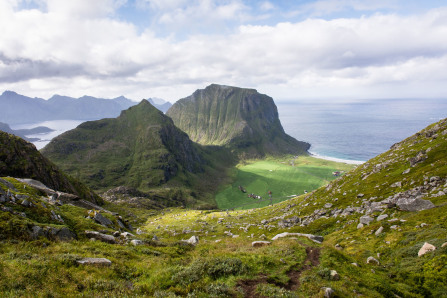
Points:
x=289 y=50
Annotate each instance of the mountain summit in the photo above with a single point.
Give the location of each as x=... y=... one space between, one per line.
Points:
x=240 y=119
x=141 y=148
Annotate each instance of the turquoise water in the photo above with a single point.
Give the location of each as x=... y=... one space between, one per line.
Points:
x=358 y=131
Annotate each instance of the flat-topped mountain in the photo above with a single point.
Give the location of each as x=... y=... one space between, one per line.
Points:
x=237 y=118
x=142 y=148
x=20 y=159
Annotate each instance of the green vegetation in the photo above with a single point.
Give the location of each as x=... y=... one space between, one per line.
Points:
x=284 y=177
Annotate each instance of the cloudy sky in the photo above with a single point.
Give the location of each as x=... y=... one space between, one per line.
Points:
x=288 y=49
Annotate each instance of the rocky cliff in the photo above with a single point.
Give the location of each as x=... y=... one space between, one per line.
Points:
x=240 y=119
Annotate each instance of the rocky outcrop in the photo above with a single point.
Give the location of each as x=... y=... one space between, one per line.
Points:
x=237 y=118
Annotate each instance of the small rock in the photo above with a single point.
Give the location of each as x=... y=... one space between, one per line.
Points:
x=394 y=227
x=366 y=219
x=427 y=247
x=335 y=275
x=26 y=203
x=381 y=217
x=379 y=231
x=406 y=171
x=260 y=243
x=136 y=242
x=355 y=264
x=95 y=261
x=155 y=238
x=193 y=240
x=359 y=226
x=127 y=235
x=444 y=244
x=423 y=224
x=327 y=205
x=338 y=247
x=328 y=292
x=370 y=260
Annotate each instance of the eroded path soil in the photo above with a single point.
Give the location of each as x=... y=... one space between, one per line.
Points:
x=312 y=260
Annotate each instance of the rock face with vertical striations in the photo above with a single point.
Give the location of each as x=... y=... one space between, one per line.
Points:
x=242 y=120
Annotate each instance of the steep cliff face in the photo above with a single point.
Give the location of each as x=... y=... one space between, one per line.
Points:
x=240 y=119
x=20 y=159
x=141 y=148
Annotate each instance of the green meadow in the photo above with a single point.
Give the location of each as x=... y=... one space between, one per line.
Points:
x=285 y=178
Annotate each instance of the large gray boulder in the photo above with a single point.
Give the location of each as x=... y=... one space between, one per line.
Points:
x=414 y=204
x=100 y=236
x=99 y=218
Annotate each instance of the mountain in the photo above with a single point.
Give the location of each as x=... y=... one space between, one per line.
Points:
x=24 y=132
x=23 y=109
x=237 y=118
x=20 y=159
x=142 y=148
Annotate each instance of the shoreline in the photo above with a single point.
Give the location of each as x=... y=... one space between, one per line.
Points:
x=347 y=161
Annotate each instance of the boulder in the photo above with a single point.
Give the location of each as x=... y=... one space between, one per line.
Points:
x=95 y=261
x=37 y=232
x=371 y=260
x=260 y=243
x=314 y=238
x=100 y=236
x=64 y=234
x=414 y=204
x=427 y=247
x=366 y=219
x=102 y=220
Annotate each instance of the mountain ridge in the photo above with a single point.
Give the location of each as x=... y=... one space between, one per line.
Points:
x=23 y=109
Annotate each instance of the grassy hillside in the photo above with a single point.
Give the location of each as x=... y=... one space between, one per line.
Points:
x=285 y=178
x=376 y=259
x=240 y=119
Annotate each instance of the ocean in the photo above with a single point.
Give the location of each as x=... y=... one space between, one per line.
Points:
x=357 y=131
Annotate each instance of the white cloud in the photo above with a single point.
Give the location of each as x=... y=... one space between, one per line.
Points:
x=47 y=52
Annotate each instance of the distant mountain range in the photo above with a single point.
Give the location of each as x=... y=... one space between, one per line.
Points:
x=18 y=109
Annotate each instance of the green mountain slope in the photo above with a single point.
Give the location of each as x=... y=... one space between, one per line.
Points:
x=141 y=148
x=237 y=118
x=20 y=159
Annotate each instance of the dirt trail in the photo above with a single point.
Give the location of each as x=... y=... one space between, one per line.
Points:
x=312 y=260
